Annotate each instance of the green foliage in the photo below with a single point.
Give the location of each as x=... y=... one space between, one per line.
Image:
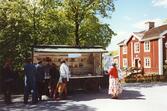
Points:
x=86 y=26
x=114 y=53
x=14 y=32
x=24 y=23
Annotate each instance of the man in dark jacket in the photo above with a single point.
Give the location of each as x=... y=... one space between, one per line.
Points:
x=54 y=78
x=40 y=79
x=30 y=81
x=47 y=65
x=7 y=80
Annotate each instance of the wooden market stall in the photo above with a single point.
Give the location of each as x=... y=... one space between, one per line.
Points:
x=85 y=63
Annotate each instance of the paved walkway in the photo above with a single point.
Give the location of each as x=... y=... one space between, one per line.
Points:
x=135 y=97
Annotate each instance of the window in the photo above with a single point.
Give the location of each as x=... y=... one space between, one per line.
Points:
x=124 y=49
x=147 y=62
x=136 y=47
x=147 y=46
x=125 y=62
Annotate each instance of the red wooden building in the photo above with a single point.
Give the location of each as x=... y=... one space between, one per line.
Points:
x=147 y=49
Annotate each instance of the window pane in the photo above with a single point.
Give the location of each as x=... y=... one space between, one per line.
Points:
x=147 y=62
x=147 y=46
x=124 y=50
x=136 y=47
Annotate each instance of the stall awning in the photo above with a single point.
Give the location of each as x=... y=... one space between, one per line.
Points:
x=69 y=49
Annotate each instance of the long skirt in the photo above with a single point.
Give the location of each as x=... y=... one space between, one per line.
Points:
x=114 y=87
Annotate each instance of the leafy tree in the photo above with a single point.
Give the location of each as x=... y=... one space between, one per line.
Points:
x=14 y=31
x=81 y=12
x=24 y=23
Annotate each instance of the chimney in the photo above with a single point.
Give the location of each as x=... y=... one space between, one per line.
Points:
x=150 y=25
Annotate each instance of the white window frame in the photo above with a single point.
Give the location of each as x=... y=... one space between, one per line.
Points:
x=125 y=64
x=135 y=47
x=145 y=46
x=146 y=60
x=124 y=50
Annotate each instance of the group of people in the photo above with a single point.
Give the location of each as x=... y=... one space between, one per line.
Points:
x=43 y=78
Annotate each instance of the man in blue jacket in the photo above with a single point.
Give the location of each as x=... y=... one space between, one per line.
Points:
x=30 y=81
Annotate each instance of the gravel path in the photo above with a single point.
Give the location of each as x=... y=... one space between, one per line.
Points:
x=135 y=97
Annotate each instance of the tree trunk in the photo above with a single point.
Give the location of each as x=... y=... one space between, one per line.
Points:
x=77 y=43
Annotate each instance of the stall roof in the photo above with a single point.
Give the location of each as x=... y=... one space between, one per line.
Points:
x=68 y=49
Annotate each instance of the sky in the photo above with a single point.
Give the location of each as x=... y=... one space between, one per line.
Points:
x=130 y=16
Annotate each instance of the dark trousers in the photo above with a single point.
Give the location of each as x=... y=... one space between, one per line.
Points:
x=40 y=86
x=53 y=88
x=27 y=90
x=7 y=92
x=46 y=87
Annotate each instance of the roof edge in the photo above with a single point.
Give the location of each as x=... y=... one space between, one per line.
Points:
x=152 y=38
x=66 y=46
